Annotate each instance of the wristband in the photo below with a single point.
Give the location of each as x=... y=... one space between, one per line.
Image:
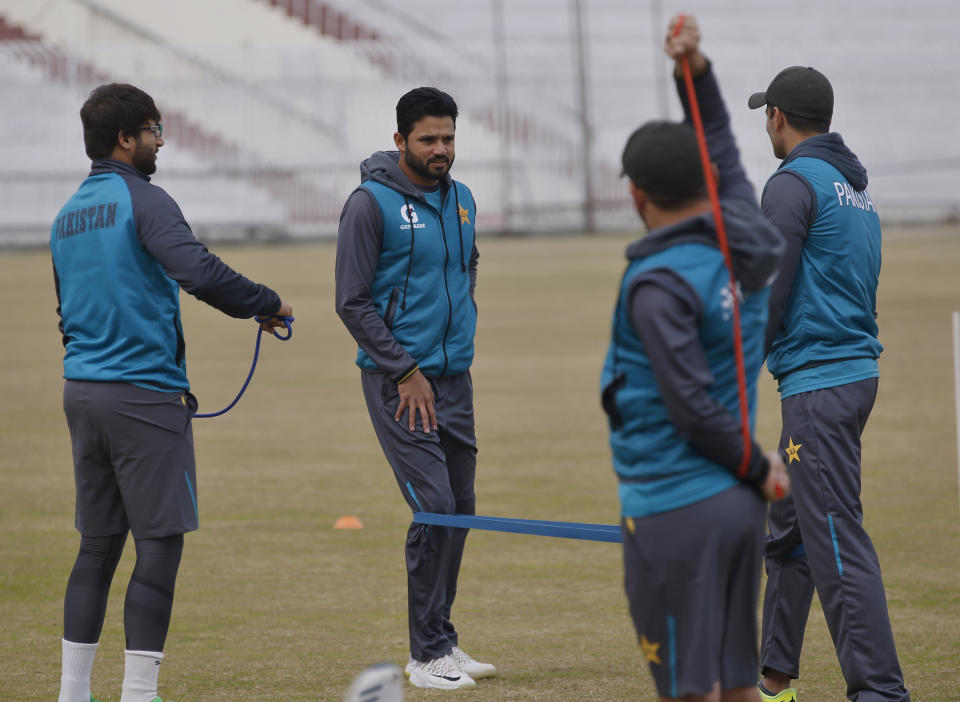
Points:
x=407 y=375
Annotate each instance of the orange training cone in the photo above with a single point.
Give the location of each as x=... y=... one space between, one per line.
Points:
x=348 y=522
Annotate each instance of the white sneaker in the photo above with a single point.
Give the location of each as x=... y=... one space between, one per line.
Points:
x=441 y=673
x=475 y=669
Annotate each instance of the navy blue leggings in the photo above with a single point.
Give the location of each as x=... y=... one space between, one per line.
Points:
x=85 y=603
x=149 y=601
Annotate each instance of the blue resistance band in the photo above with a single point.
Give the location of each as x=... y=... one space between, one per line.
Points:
x=566 y=530
x=288 y=323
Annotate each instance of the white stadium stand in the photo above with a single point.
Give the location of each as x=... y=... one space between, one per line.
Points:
x=269 y=105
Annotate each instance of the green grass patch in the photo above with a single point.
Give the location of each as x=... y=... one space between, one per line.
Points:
x=273 y=604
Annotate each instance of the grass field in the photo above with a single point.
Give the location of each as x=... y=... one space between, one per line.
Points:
x=273 y=604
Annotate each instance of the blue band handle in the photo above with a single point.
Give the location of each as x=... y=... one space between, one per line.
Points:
x=288 y=323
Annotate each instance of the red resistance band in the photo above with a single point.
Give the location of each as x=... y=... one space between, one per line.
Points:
x=725 y=248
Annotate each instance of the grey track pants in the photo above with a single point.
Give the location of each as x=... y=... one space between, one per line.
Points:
x=435 y=473
x=817 y=540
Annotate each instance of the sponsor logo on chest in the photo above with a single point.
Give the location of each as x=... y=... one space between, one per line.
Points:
x=412 y=218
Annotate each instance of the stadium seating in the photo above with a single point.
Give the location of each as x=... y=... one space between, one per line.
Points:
x=269 y=105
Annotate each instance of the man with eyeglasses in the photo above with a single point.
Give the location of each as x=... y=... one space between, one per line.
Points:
x=121 y=252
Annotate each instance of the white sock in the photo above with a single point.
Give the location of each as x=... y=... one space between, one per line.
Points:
x=75 y=667
x=140 y=676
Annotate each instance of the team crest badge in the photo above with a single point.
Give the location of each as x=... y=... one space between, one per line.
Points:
x=650 y=650
x=793 y=452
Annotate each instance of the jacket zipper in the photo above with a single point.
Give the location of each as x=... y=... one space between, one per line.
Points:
x=446 y=284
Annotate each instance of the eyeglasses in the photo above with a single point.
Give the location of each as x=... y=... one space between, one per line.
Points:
x=157 y=129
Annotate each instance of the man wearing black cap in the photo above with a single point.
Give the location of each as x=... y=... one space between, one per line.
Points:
x=692 y=528
x=822 y=348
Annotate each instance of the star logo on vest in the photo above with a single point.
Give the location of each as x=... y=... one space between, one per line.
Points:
x=464 y=214
x=793 y=452
x=409 y=214
x=649 y=650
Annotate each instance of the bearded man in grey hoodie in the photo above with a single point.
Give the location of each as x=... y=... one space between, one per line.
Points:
x=406 y=271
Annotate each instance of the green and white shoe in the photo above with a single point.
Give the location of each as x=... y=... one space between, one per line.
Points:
x=788 y=695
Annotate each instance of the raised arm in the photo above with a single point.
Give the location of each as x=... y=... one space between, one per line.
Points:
x=732 y=180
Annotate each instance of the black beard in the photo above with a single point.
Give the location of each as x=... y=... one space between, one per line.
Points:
x=422 y=168
x=145 y=160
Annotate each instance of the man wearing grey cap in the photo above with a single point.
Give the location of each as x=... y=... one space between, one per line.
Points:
x=693 y=496
x=822 y=348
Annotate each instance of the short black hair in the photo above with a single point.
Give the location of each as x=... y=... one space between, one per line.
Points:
x=677 y=202
x=111 y=109
x=803 y=124
x=420 y=103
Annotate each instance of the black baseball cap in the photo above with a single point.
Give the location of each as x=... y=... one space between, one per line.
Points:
x=798 y=90
x=663 y=158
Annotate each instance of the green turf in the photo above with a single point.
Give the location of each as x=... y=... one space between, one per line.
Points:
x=273 y=604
